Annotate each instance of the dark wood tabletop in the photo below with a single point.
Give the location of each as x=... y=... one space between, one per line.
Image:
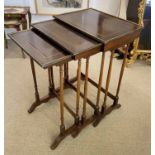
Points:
x=69 y=39
x=111 y=31
x=37 y=47
x=75 y=35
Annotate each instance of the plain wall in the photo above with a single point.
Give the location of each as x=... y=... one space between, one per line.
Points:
x=21 y=3
x=113 y=7
x=109 y=6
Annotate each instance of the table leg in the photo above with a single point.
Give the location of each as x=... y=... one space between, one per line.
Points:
x=63 y=132
x=19 y=29
x=107 y=82
x=103 y=109
x=35 y=87
x=62 y=126
x=121 y=75
x=66 y=72
x=38 y=100
x=51 y=80
x=85 y=91
x=84 y=122
x=78 y=92
x=99 y=84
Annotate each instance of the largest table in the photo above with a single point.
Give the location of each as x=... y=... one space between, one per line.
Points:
x=76 y=36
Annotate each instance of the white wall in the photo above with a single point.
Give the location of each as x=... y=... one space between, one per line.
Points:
x=109 y=6
x=21 y=3
x=17 y=2
x=113 y=7
x=123 y=9
x=32 y=6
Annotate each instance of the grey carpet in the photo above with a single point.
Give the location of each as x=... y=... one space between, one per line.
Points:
x=125 y=131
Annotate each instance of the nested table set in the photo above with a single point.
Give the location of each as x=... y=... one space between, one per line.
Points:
x=76 y=36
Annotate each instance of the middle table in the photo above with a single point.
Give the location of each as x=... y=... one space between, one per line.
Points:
x=46 y=44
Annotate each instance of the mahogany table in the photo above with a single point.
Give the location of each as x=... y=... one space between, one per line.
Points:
x=76 y=36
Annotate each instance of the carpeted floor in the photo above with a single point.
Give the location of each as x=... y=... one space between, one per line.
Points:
x=125 y=131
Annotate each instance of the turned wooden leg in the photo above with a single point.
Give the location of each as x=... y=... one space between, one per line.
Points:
x=51 y=79
x=18 y=29
x=62 y=126
x=66 y=72
x=103 y=109
x=85 y=92
x=78 y=92
x=63 y=132
x=107 y=82
x=115 y=105
x=100 y=84
x=35 y=87
x=121 y=75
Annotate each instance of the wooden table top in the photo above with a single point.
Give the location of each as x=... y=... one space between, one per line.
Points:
x=49 y=43
x=37 y=47
x=75 y=35
x=70 y=40
x=101 y=26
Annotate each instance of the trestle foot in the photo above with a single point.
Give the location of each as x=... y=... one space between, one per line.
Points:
x=33 y=106
x=82 y=125
x=77 y=120
x=77 y=131
x=103 y=109
x=63 y=134
x=57 y=141
x=96 y=111
x=39 y=102
x=115 y=101
x=106 y=112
